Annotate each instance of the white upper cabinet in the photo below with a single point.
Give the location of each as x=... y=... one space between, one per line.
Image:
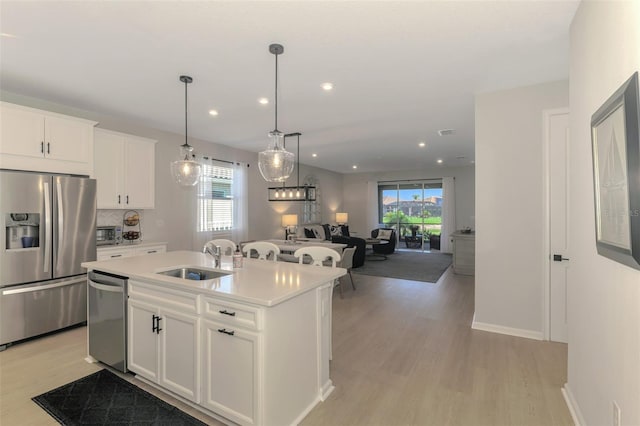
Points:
x=37 y=140
x=125 y=170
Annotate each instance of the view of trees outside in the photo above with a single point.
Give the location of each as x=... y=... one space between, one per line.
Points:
x=412 y=210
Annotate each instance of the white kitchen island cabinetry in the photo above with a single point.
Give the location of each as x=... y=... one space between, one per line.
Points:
x=44 y=141
x=253 y=345
x=163 y=339
x=124 y=170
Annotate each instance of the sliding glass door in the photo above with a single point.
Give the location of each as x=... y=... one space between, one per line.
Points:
x=413 y=209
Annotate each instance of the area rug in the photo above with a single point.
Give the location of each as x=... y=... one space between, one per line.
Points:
x=427 y=267
x=103 y=398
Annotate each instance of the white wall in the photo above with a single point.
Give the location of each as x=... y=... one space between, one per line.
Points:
x=357 y=197
x=603 y=296
x=174 y=218
x=509 y=217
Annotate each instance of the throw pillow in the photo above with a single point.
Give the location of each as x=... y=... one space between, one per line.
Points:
x=384 y=234
x=345 y=230
x=335 y=230
x=308 y=233
x=327 y=231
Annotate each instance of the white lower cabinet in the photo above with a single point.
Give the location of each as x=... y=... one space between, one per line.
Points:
x=230 y=373
x=110 y=252
x=252 y=365
x=163 y=347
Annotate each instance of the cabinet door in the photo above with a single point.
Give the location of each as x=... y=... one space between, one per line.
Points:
x=179 y=354
x=231 y=375
x=22 y=133
x=67 y=140
x=139 y=161
x=109 y=169
x=142 y=340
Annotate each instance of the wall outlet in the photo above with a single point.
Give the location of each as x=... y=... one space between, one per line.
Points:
x=616 y=414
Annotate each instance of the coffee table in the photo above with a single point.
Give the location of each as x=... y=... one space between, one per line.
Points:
x=370 y=242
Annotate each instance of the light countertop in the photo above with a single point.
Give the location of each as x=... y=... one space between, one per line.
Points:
x=258 y=281
x=125 y=245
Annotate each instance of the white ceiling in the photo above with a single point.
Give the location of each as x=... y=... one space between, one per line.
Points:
x=401 y=70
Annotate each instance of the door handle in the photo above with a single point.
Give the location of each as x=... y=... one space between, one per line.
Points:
x=224 y=330
x=559 y=258
x=158 y=329
x=47 y=227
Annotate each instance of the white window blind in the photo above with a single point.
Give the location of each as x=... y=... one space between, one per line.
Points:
x=215 y=198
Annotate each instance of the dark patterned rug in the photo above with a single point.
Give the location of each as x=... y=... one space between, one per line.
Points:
x=103 y=398
x=406 y=265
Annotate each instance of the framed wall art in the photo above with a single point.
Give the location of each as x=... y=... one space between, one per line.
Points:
x=616 y=173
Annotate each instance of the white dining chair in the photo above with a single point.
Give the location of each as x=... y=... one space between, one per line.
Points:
x=227 y=247
x=263 y=248
x=320 y=256
x=347 y=263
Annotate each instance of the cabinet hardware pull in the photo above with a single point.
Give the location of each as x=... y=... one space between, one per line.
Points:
x=116 y=255
x=118 y=199
x=127 y=199
x=42 y=147
x=158 y=329
x=224 y=330
x=152 y=251
x=225 y=312
x=48 y=146
x=153 y=323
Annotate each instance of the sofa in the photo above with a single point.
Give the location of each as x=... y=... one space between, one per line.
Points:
x=337 y=234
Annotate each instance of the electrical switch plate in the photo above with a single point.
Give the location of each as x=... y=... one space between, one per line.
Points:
x=616 y=414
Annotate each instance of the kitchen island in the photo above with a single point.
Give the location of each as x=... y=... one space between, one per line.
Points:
x=251 y=346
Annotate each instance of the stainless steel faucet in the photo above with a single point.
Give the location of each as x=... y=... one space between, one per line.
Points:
x=214 y=251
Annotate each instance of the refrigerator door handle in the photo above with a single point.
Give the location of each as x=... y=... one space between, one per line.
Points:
x=47 y=227
x=41 y=287
x=60 y=220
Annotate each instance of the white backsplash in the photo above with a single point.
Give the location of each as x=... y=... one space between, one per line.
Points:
x=114 y=217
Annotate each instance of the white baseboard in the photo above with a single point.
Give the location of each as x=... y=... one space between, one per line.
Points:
x=518 y=332
x=574 y=409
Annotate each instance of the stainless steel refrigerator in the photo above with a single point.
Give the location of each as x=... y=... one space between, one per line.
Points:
x=48 y=227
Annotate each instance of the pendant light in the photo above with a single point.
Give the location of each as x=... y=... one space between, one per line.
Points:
x=276 y=163
x=186 y=171
x=293 y=193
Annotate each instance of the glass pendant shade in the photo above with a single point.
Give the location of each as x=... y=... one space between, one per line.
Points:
x=276 y=163
x=186 y=171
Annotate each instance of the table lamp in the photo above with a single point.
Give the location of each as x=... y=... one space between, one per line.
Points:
x=342 y=218
x=289 y=223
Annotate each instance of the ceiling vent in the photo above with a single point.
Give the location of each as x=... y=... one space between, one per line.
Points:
x=446 y=132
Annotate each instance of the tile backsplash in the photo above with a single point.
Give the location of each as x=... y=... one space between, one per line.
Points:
x=114 y=217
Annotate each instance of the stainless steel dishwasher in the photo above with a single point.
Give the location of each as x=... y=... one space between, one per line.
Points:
x=107 y=319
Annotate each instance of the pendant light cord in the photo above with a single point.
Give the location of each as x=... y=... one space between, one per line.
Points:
x=276 y=95
x=186 y=139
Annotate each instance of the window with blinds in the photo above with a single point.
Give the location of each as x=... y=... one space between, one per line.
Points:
x=215 y=198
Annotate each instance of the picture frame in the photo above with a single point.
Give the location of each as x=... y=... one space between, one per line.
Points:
x=615 y=142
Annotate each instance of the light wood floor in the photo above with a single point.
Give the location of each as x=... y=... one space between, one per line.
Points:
x=403 y=354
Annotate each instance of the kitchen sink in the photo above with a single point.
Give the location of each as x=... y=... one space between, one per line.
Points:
x=194 y=273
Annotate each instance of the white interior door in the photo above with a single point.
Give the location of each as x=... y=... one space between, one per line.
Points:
x=558 y=166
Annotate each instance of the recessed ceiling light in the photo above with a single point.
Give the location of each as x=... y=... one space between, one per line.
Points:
x=314 y=155
x=327 y=86
x=263 y=101
x=473 y=161
x=213 y=112
x=422 y=144
x=439 y=160
x=355 y=166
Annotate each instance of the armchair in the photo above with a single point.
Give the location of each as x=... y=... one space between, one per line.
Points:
x=387 y=248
